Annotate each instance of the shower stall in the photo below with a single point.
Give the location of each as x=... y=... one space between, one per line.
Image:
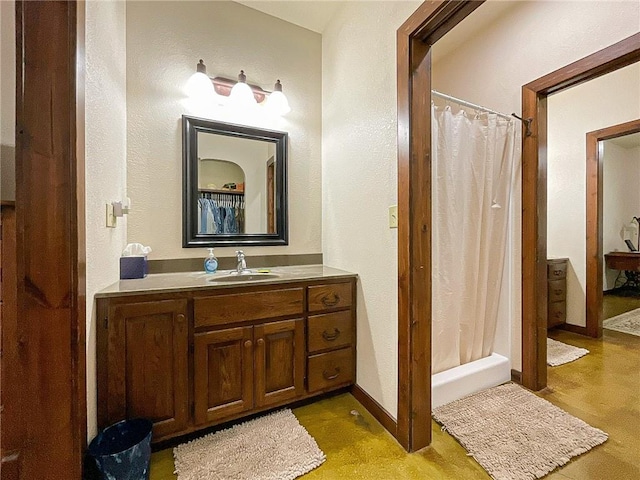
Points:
x=476 y=159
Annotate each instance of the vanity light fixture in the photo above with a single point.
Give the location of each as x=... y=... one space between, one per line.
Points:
x=241 y=94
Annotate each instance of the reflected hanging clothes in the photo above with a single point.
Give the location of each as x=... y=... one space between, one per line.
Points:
x=220 y=213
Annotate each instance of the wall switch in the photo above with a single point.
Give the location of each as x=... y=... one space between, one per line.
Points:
x=111 y=218
x=393 y=216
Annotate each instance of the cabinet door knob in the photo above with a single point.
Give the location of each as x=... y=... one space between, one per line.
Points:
x=330 y=337
x=181 y=318
x=260 y=342
x=248 y=344
x=330 y=301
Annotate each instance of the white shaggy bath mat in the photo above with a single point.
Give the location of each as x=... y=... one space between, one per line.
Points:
x=628 y=322
x=514 y=434
x=273 y=447
x=559 y=353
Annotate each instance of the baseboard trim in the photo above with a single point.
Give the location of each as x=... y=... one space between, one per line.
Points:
x=516 y=376
x=375 y=409
x=574 y=329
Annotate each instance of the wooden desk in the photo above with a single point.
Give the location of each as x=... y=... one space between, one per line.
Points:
x=627 y=261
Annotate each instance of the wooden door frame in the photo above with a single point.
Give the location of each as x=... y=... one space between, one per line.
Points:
x=430 y=22
x=595 y=200
x=50 y=235
x=534 y=195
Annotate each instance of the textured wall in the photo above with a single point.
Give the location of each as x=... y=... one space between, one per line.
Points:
x=359 y=176
x=7 y=100
x=600 y=103
x=490 y=68
x=106 y=167
x=621 y=199
x=165 y=40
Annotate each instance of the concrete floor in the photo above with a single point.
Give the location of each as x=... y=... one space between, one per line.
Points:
x=602 y=388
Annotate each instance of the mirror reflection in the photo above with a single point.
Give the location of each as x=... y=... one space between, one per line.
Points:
x=234 y=179
x=236 y=185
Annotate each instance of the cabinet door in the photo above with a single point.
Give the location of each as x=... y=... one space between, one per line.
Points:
x=279 y=352
x=148 y=370
x=223 y=373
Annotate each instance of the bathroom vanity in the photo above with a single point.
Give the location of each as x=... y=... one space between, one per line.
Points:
x=190 y=350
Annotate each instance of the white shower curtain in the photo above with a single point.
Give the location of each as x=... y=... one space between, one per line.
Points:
x=473 y=165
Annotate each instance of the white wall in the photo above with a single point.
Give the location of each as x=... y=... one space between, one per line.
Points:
x=621 y=199
x=105 y=161
x=165 y=40
x=359 y=177
x=7 y=100
x=600 y=103
x=490 y=68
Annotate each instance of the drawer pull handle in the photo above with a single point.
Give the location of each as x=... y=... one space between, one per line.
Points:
x=557 y=291
x=247 y=344
x=260 y=342
x=333 y=376
x=330 y=302
x=330 y=337
x=557 y=272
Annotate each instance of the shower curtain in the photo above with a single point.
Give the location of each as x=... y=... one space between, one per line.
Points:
x=474 y=156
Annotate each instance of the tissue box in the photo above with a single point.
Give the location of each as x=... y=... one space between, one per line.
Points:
x=133 y=267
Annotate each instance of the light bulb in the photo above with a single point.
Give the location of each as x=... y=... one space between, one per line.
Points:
x=277 y=103
x=241 y=95
x=199 y=86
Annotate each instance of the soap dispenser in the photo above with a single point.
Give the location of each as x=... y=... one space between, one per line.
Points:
x=211 y=262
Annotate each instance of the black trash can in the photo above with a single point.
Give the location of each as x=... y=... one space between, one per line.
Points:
x=123 y=450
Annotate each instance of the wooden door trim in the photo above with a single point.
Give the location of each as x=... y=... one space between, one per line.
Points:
x=595 y=231
x=50 y=236
x=430 y=22
x=534 y=195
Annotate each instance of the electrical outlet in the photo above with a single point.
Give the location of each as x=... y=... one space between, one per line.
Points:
x=393 y=216
x=111 y=218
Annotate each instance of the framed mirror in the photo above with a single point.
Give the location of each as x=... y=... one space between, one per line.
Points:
x=234 y=184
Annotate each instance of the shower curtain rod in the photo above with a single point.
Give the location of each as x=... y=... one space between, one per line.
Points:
x=472 y=105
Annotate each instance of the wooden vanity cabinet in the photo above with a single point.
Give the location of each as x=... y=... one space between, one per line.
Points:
x=237 y=369
x=193 y=359
x=148 y=345
x=223 y=376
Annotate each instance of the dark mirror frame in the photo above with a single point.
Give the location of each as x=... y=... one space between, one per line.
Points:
x=191 y=126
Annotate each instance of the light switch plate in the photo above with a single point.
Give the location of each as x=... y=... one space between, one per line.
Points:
x=111 y=218
x=393 y=216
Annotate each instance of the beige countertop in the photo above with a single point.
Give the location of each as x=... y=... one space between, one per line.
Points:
x=177 y=282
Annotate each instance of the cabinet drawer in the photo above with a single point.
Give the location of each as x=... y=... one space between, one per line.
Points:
x=330 y=369
x=557 y=291
x=556 y=313
x=330 y=331
x=244 y=307
x=323 y=297
x=556 y=271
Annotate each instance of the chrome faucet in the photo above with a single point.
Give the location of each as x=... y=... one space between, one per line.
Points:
x=241 y=267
